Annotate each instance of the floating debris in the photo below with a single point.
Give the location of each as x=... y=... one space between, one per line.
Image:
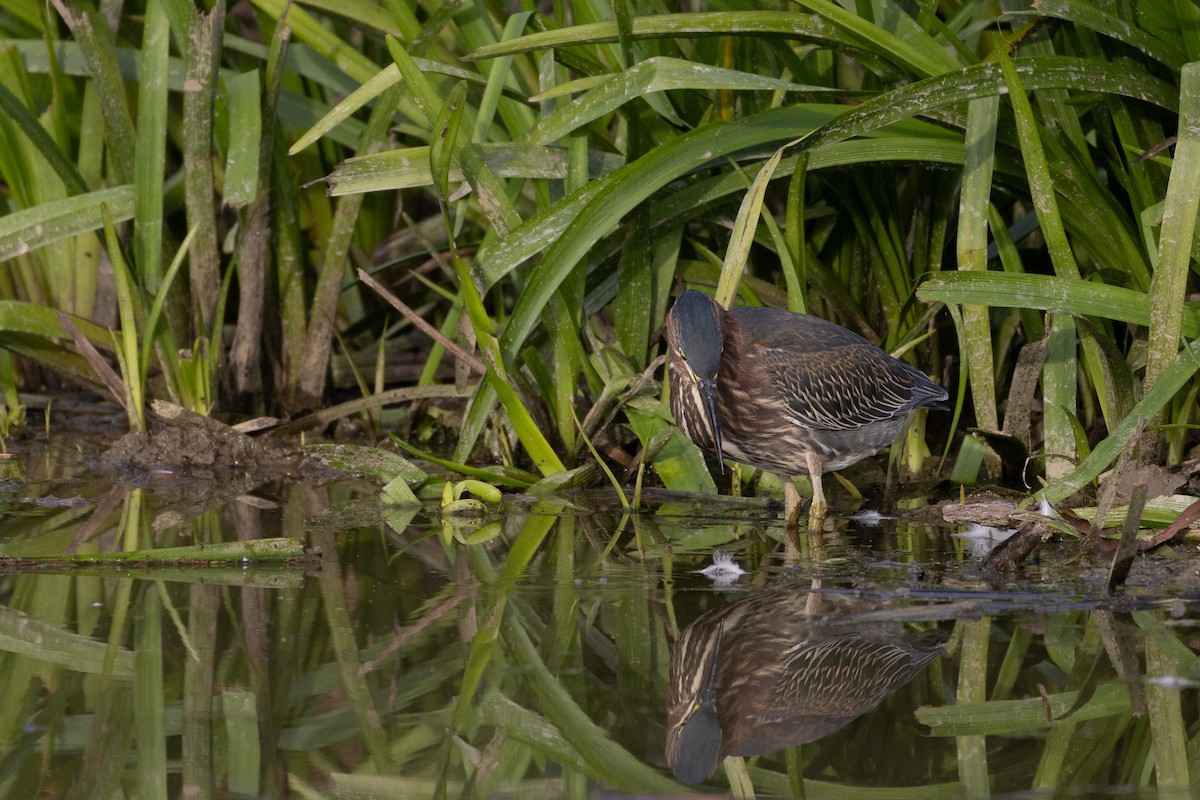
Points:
x=869 y=517
x=1172 y=682
x=724 y=570
x=52 y=501
x=1047 y=510
x=984 y=538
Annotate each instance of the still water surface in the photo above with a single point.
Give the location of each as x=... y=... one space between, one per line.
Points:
x=558 y=653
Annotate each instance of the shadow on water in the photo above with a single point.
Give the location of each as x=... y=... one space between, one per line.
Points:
x=569 y=652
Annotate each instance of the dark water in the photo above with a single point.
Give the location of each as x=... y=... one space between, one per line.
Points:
x=533 y=658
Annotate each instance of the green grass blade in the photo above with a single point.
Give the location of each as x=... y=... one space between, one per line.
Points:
x=713 y=23
x=46 y=146
x=1059 y=386
x=1049 y=293
x=1177 y=238
x=149 y=698
x=1060 y=392
x=245 y=139
x=1187 y=22
x=742 y=237
x=446 y=130
x=367 y=91
x=501 y=70
x=309 y=30
x=658 y=74
x=95 y=40
x=149 y=166
x=151 y=335
x=409 y=167
x=544 y=457
x=370 y=89
x=974 y=202
x=907 y=44
x=1116 y=392
x=244 y=756
x=129 y=307
x=678 y=463
x=396 y=493
x=31 y=228
x=363 y=12
x=1086 y=14
x=513 y=479
x=983 y=80
x=19 y=317
x=907 y=140
x=40 y=640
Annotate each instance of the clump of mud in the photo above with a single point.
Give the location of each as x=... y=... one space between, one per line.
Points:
x=194 y=463
x=190 y=445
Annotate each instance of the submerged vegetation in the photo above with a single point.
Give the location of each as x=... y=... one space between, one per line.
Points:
x=1004 y=193
x=536 y=665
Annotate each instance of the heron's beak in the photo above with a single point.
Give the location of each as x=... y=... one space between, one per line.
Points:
x=694 y=745
x=708 y=396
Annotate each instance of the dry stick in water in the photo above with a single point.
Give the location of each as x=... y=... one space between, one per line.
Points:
x=1108 y=487
x=1127 y=548
x=108 y=376
x=1189 y=515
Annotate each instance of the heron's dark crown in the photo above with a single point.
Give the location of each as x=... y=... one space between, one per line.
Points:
x=696 y=327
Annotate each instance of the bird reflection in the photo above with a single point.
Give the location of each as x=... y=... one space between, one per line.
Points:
x=774 y=670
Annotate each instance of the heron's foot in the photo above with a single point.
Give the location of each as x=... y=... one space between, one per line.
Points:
x=793 y=504
x=816 y=514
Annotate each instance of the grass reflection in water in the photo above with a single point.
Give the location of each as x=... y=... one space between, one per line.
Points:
x=539 y=663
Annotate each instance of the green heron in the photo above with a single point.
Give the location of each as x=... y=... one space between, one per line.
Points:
x=763 y=673
x=786 y=392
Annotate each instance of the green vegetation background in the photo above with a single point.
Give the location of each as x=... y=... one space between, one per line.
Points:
x=987 y=188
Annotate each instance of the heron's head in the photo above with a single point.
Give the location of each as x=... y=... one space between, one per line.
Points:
x=694 y=740
x=695 y=335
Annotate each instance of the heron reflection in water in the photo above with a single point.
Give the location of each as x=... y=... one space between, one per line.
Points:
x=768 y=672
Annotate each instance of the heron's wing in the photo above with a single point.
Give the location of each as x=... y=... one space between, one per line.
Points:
x=846 y=676
x=846 y=387
x=826 y=377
